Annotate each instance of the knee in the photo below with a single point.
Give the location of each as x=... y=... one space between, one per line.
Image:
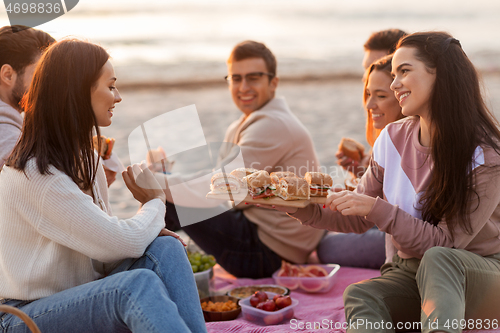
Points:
x=351 y=290
x=437 y=256
x=359 y=298
x=167 y=244
x=140 y=276
x=354 y=291
x=438 y=259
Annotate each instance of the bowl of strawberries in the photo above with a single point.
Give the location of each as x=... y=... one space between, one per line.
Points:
x=267 y=308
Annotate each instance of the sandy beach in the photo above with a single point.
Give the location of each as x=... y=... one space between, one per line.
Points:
x=330 y=110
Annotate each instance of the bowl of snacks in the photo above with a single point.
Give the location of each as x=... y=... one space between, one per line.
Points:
x=247 y=291
x=203 y=273
x=220 y=308
x=267 y=308
x=308 y=278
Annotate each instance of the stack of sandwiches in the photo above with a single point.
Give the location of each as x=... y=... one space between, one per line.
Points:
x=261 y=184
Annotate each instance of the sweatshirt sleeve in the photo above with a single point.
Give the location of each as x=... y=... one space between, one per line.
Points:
x=324 y=218
x=70 y=218
x=415 y=236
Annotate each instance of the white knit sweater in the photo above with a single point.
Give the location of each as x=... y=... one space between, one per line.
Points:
x=50 y=231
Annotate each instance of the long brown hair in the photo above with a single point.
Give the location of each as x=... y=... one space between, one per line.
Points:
x=383 y=65
x=460 y=121
x=59 y=118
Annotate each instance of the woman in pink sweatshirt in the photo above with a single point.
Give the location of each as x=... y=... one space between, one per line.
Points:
x=382 y=108
x=433 y=187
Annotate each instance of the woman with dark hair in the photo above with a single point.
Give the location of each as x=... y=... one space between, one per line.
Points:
x=382 y=108
x=432 y=186
x=64 y=260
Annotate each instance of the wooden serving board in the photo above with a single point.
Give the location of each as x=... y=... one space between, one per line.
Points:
x=318 y=200
x=271 y=201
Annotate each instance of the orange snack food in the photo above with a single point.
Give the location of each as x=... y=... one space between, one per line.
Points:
x=218 y=306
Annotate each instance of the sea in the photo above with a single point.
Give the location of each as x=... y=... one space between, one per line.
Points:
x=170 y=42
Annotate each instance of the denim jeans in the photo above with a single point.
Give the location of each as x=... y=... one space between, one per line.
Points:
x=155 y=293
x=365 y=250
x=234 y=242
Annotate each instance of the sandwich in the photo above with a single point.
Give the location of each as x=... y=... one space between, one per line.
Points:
x=259 y=185
x=293 y=188
x=352 y=148
x=276 y=176
x=225 y=183
x=319 y=183
x=106 y=146
x=243 y=172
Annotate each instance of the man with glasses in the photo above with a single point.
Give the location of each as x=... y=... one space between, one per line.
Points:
x=250 y=241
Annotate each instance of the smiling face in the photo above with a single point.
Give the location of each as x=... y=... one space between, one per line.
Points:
x=413 y=82
x=380 y=101
x=104 y=95
x=251 y=96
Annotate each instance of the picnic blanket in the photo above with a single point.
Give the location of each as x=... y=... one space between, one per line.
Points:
x=325 y=309
x=316 y=313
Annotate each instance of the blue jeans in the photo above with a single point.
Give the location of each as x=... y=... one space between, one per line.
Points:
x=365 y=250
x=155 y=293
x=234 y=242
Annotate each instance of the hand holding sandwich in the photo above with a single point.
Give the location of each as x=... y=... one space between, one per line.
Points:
x=351 y=157
x=350 y=203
